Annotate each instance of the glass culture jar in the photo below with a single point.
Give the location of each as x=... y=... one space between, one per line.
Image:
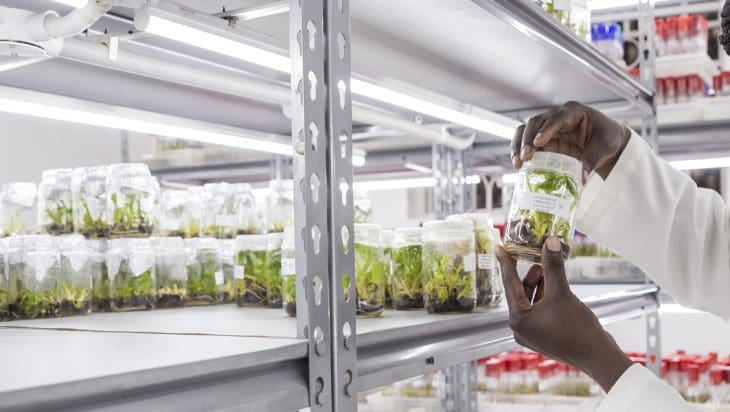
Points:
x=18 y=209
x=486 y=259
x=55 y=206
x=170 y=272
x=131 y=198
x=370 y=271
x=408 y=269
x=173 y=217
x=280 y=211
x=247 y=214
x=193 y=211
x=4 y=313
x=131 y=267
x=220 y=217
x=387 y=237
x=203 y=288
x=289 y=272
x=273 y=270
x=231 y=271
x=251 y=251
x=543 y=205
x=100 y=288
x=449 y=264
x=363 y=207
x=88 y=191
x=33 y=283
x=74 y=280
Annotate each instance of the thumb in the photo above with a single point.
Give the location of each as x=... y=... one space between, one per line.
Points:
x=553 y=269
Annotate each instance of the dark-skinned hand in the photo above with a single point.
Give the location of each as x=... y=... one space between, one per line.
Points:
x=548 y=318
x=574 y=130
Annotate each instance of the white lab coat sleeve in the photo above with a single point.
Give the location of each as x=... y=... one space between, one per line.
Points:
x=655 y=216
x=639 y=390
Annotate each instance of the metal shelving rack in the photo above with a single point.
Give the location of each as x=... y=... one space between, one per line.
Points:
x=255 y=359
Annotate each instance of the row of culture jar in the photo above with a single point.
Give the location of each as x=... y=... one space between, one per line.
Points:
x=446 y=266
x=49 y=276
x=123 y=200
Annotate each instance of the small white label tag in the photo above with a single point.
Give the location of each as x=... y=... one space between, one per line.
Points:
x=238 y=272
x=485 y=261
x=219 y=277
x=545 y=203
x=288 y=267
x=470 y=262
x=225 y=220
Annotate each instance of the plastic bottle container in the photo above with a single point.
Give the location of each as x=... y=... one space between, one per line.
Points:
x=289 y=272
x=543 y=205
x=388 y=237
x=220 y=217
x=251 y=254
x=686 y=43
x=280 y=211
x=699 y=33
x=194 y=209
x=18 y=209
x=33 y=277
x=99 y=276
x=131 y=198
x=205 y=285
x=131 y=267
x=55 y=205
x=273 y=270
x=494 y=368
x=670 y=89
x=408 y=269
x=248 y=220
x=673 y=42
x=171 y=274
x=370 y=271
x=74 y=280
x=662 y=36
x=88 y=192
x=449 y=263
x=546 y=372
x=173 y=219
x=231 y=271
x=717 y=389
x=693 y=391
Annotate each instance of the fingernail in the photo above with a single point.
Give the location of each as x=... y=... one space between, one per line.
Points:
x=526 y=151
x=538 y=136
x=553 y=244
x=516 y=162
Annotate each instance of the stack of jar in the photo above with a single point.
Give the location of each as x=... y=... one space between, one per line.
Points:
x=698 y=378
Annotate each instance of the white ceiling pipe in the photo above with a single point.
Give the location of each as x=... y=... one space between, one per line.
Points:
x=229 y=82
x=50 y=25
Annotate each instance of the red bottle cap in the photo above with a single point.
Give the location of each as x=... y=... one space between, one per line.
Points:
x=673 y=26
x=681 y=352
x=545 y=370
x=683 y=26
x=716 y=377
x=664 y=369
x=673 y=364
x=494 y=367
x=513 y=364
x=693 y=373
x=713 y=355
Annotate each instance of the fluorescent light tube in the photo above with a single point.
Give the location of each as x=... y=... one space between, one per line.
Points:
x=264 y=10
x=418 y=168
x=489 y=122
x=68 y=109
x=696 y=164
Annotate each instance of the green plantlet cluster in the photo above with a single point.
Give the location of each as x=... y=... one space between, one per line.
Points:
x=533 y=227
x=16 y=224
x=388 y=262
x=192 y=229
x=74 y=300
x=129 y=219
x=61 y=218
x=100 y=294
x=129 y=292
x=251 y=229
x=277 y=227
x=369 y=280
x=218 y=232
x=4 y=310
x=483 y=275
x=34 y=305
x=408 y=277
x=251 y=290
x=92 y=227
x=273 y=278
x=202 y=289
x=171 y=294
x=290 y=295
x=449 y=288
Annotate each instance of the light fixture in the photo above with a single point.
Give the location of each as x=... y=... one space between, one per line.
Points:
x=264 y=10
x=594 y=5
x=165 y=23
x=68 y=109
x=696 y=164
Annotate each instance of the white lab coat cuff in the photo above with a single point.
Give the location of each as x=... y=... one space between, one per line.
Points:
x=639 y=390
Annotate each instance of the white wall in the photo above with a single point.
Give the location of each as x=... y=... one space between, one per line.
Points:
x=29 y=145
x=390 y=209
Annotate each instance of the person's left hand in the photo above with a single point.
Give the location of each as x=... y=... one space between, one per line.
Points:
x=556 y=323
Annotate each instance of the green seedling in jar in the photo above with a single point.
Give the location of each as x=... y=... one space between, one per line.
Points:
x=74 y=300
x=273 y=278
x=369 y=280
x=35 y=305
x=408 y=277
x=450 y=282
x=202 y=286
x=4 y=311
x=100 y=287
x=251 y=290
x=130 y=292
x=172 y=294
x=92 y=227
x=60 y=217
x=129 y=219
x=290 y=295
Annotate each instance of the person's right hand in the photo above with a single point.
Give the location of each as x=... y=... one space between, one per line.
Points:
x=574 y=130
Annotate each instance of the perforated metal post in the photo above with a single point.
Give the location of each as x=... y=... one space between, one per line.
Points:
x=647 y=65
x=450 y=193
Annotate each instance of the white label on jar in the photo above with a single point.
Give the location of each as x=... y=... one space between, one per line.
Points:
x=561 y=5
x=288 y=267
x=486 y=261
x=470 y=262
x=219 y=277
x=169 y=224
x=545 y=203
x=225 y=220
x=238 y=271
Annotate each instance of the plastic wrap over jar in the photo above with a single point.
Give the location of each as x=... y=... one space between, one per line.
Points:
x=173 y=217
x=55 y=204
x=251 y=254
x=74 y=280
x=88 y=191
x=131 y=199
x=544 y=202
x=170 y=272
x=248 y=220
x=100 y=287
x=370 y=271
x=387 y=237
x=4 y=312
x=203 y=287
x=33 y=288
x=449 y=264
x=280 y=211
x=131 y=268
x=408 y=269
x=273 y=270
x=231 y=271
x=289 y=272
x=220 y=217
x=486 y=259
x=18 y=209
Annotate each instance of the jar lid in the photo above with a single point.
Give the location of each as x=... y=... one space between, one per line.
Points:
x=129 y=169
x=555 y=162
x=130 y=244
x=167 y=243
x=68 y=243
x=367 y=233
x=251 y=242
x=481 y=221
x=57 y=177
x=408 y=235
x=443 y=230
